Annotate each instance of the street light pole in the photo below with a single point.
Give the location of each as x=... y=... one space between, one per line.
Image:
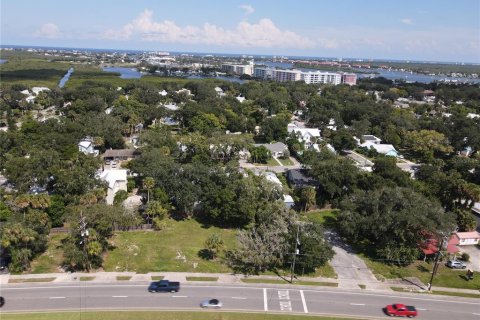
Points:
x=435 y=266
x=292 y=270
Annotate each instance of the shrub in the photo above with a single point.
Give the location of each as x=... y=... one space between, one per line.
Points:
x=465 y=257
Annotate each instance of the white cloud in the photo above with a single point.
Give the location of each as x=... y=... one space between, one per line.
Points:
x=49 y=31
x=407 y=21
x=247 y=8
x=263 y=34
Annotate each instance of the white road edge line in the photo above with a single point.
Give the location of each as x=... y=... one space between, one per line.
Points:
x=119 y=296
x=305 y=309
x=265 y=302
x=476 y=314
x=179 y=296
x=57 y=297
x=421 y=309
x=357 y=304
x=239 y=298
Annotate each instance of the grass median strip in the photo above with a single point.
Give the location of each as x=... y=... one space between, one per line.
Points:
x=123 y=278
x=24 y=280
x=302 y=283
x=202 y=278
x=164 y=315
x=86 y=278
x=156 y=278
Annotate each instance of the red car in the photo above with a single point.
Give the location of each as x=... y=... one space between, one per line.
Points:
x=401 y=310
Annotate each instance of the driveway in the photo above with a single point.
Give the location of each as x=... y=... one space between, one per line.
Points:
x=474 y=253
x=351 y=270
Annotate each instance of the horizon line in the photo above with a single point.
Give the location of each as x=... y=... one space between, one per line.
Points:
x=248 y=54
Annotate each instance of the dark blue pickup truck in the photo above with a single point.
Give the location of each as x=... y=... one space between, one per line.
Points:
x=164 y=286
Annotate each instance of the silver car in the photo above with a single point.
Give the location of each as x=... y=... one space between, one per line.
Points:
x=455 y=264
x=211 y=303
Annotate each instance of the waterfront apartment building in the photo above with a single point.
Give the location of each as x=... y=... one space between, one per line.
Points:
x=310 y=77
x=282 y=75
x=321 y=77
x=349 y=78
x=238 y=68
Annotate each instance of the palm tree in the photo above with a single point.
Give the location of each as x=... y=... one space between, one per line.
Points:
x=214 y=244
x=148 y=184
x=308 y=197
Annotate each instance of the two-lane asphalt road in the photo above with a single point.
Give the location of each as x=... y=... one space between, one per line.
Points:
x=329 y=301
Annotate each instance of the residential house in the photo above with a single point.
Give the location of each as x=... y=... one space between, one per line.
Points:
x=371 y=138
x=277 y=149
x=163 y=93
x=171 y=106
x=386 y=149
x=121 y=154
x=272 y=177
x=220 y=92
x=308 y=136
x=116 y=181
x=288 y=201
x=240 y=99
x=467 y=238
x=186 y=91
x=466 y=152
x=86 y=146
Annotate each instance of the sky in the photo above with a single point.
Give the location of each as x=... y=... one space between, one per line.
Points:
x=426 y=30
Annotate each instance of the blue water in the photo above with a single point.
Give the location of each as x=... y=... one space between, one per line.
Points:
x=2 y=61
x=65 y=78
x=125 y=73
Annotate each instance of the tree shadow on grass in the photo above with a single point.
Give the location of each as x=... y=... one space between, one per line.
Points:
x=422 y=268
x=205 y=254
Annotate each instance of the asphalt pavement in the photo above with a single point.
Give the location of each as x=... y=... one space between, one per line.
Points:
x=266 y=298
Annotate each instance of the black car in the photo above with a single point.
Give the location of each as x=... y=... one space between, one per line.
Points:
x=2 y=301
x=164 y=286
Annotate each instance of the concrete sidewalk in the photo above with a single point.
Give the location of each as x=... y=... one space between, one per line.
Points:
x=222 y=278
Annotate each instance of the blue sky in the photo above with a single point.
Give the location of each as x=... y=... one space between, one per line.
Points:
x=437 y=30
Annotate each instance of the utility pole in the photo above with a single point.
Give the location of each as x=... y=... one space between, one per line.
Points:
x=435 y=266
x=84 y=234
x=292 y=270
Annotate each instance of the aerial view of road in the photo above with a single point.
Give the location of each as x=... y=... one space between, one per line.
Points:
x=272 y=299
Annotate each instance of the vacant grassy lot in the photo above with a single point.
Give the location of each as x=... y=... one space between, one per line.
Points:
x=445 y=277
x=50 y=260
x=153 y=251
x=155 y=315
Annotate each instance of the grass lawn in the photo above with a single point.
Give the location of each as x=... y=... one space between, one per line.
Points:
x=325 y=217
x=156 y=315
x=31 y=280
x=286 y=162
x=279 y=281
x=154 y=251
x=51 y=259
x=202 y=278
x=445 y=277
